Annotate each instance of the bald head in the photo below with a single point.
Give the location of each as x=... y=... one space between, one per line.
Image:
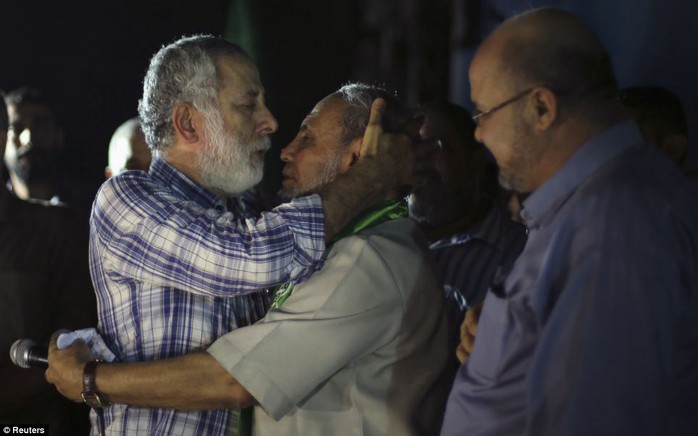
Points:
x=128 y=149
x=542 y=85
x=552 y=48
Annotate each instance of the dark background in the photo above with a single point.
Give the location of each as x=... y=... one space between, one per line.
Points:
x=92 y=55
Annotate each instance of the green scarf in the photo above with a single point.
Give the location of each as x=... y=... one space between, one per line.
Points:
x=386 y=211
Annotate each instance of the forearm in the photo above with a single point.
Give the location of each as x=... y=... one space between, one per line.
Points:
x=190 y=382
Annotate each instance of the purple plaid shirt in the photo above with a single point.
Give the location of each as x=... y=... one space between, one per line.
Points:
x=174 y=269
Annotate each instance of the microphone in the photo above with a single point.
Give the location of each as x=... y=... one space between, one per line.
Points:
x=26 y=353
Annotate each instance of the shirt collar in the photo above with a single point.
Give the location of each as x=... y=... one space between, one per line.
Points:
x=489 y=230
x=588 y=158
x=179 y=182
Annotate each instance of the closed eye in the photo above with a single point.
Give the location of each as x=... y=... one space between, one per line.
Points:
x=249 y=107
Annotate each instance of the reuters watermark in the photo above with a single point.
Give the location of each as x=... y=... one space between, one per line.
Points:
x=24 y=429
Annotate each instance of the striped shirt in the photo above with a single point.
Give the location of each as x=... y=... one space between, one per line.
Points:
x=468 y=261
x=174 y=269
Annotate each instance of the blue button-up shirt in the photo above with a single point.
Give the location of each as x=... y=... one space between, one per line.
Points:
x=595 y=329
x=174 y=269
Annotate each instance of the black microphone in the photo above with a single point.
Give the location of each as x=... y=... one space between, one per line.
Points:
x=26 y=353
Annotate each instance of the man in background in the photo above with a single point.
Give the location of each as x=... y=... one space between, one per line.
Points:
x=128 y=149
x=661 y=118
x=455 y=201
x=44 y=286
x=34 y=143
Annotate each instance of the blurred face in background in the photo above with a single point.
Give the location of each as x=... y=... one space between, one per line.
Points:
x=128 y=150
x=34 y=142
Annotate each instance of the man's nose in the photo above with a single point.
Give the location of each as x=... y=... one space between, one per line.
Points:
x=287 y=153
x=267 y=124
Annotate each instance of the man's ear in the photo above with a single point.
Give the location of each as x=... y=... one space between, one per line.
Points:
x=351 y=154
x=545 y=105
x=186 y=122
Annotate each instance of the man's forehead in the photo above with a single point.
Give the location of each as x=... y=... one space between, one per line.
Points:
x=27 y=111
x=485 y=74
x=240 y=77
x=323 y=110
x=308 y=121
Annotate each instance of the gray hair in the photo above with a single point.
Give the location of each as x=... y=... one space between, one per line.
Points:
x=359 y=97
x=182 y=72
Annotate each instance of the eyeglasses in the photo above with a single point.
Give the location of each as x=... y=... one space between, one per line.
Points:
x=478 y=114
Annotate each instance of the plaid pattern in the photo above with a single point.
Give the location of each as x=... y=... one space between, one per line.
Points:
x=166 y=256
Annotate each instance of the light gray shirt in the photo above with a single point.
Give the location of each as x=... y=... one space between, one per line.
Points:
x=357 y=349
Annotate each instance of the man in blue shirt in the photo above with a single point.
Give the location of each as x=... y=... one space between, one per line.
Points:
x=594 y=330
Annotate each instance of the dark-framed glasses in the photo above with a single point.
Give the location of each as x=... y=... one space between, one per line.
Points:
x=478 y=114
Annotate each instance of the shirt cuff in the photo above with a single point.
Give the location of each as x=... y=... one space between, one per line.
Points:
x=305 y=218
x=251 y=376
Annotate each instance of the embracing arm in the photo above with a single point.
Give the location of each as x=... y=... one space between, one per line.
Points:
x=152 y=238
x=194 y=381
x=385 y=166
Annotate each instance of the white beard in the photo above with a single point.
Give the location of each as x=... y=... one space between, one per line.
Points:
x=226 y=162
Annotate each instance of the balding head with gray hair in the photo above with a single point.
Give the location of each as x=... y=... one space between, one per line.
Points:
x=360 y=97
x=182 y=72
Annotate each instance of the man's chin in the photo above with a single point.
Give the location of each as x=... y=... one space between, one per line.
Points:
x=284 y=195
x=288 y=194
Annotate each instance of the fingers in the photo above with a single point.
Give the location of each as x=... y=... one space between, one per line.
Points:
x=374 y=129
x=65 y=368
x=461 y=354
x=470 y=323
x=468 y=332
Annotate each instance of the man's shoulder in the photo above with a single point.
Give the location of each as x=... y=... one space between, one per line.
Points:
x=131 y=192
x=398 y=246
x=402 y=233
x=643 y=182
x=130 y=183
x=41 y=219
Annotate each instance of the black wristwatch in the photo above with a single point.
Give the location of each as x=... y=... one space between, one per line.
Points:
x=89 y=389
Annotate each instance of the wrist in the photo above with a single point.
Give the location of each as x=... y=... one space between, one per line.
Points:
x=90 y=395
